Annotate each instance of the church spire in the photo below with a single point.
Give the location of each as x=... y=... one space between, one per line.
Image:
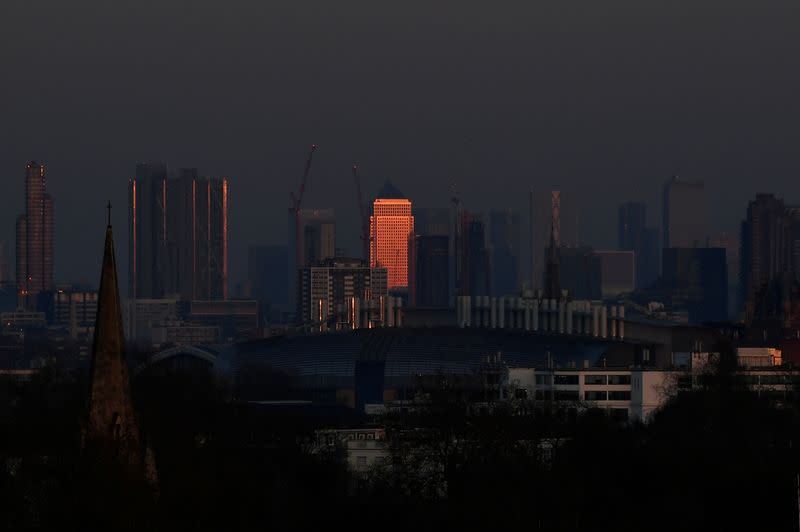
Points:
x=112 y=427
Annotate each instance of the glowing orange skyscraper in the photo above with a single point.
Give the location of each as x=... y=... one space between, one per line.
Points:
x=390 y=228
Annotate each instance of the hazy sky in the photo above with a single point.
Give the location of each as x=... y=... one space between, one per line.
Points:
x=602 y=99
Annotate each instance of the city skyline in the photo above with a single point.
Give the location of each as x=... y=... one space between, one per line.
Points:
x=553 y=98
x=507 y=265
x=348 y=234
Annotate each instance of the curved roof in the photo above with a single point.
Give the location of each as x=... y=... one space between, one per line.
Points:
x=410 y=352
x=203 y=353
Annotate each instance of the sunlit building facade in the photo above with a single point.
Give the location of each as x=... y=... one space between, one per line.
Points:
x=391 y=228
x=178 y=235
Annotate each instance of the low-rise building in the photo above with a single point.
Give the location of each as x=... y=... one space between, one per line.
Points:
x=364 y=448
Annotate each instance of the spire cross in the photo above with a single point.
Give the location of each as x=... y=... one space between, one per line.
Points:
x=109 y=212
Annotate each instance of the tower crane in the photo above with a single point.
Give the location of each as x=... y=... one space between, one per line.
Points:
x=297 y=202
x=364 y=216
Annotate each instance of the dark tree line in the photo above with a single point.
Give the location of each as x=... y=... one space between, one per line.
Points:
x=717 y=457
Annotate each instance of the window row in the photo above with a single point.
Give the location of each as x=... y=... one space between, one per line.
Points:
x=592 y=380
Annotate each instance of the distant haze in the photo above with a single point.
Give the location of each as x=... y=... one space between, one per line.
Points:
x=603 y=100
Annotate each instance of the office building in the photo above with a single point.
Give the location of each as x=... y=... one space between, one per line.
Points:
x=684 y=214
x=730 y=243
x=5 y=269
x=475 y=259
x=631 y=223
x=580 y=273
x=696 y=279
x=35 y=238
x=327 y=291
x=316 y=240
x=794 y=217
x=267 y=267
x=617 y=272
x=432 y=221
x=431 y=275
x=588 y=274
x=70 y=307
x=648 y=265
x=196 y=237
x=505 y=228
x=147 y=228
x=766 y=248
x=634 y=235
x=178 y=235
x=391 y=229
x=141 y=316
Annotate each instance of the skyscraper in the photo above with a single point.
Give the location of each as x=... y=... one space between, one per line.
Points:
x=697 y=280
x=552 y=282
x=730 y=243
x=794 y=216
x=440 y=221
x=630 y=225
x=505 y=228
x=178 y=235
x=634 y=235
x=317 y=243
x=766 y=248
x=391 y=229
x=210 y=238
x=475 y=260
x=431 y=278
x=432 y=221
x=649 y=260
x=617 y=272
x=35 y=237
x=684 y=214
x=147 y=226
x=5 y=274
x=266 y=271
x=580 y=272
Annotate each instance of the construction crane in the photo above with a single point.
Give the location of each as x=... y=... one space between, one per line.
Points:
x=297 y=202
x=362 y=212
